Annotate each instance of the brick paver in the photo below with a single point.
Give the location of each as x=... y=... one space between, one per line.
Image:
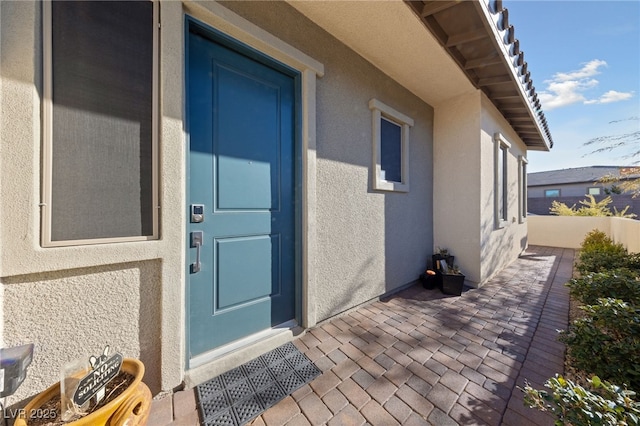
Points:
x=184 y=403
x=161 y=411
x=281 y=413
x=335 y=400
x=422 y=358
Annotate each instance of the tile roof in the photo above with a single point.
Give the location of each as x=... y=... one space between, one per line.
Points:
x=478 y=36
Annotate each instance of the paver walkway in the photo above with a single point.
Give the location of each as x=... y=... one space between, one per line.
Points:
x=423 y=358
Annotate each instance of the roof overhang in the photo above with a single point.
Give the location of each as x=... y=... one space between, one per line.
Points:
x=439 y=50
x=478 y=36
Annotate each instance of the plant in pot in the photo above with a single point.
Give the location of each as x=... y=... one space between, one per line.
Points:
x=125 y=399
x=451 y=277
x=442 y=254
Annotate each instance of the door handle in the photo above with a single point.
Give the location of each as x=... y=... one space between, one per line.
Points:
x=196 y=241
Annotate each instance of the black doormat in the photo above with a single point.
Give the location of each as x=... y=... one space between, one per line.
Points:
x=238 y=396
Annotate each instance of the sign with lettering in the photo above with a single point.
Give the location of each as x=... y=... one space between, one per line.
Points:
x=103 y=371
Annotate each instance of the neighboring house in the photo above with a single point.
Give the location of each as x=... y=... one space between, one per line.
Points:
x=570 y=186
x=194 y=182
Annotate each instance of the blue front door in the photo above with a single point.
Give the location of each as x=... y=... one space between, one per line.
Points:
x=241 y=119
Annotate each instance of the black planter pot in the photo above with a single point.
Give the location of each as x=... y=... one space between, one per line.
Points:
x=428 y=281
x=448 y=258
x=452 y=284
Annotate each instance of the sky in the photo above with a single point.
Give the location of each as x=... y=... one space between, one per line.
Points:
x=584 y=58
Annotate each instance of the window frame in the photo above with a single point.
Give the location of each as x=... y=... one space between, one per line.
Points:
x=500 y=181
x=379 y=111
x=552 y=196
x=594 y=187
x=523 y=190
x=47 y=138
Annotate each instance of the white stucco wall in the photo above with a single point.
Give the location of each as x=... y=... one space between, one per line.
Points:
x=464 y=216
x=368 y=243
x=456 y=181
x=73 y=314
x=570 y=231
x=499 y=247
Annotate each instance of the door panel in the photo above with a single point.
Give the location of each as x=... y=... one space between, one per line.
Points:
x=241 y=168
x=255 y=180
x=245 y=257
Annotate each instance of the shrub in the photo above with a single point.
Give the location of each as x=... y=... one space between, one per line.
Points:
x=633 y=262
x=621 y=283
x=606 y=342
x=599 y=253
x=601 y=260
x=601 y=404
x=596 y=240
x=561 y=209
x=590 y=207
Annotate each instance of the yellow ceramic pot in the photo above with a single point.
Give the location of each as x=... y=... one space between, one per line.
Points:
x=130 y=408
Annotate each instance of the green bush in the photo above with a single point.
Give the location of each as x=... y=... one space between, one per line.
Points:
x=633 y=262
x=599 y=253
x=607 y=342
x=621 y=283
x=596 y=240
x=601 y=261
x=601 y=404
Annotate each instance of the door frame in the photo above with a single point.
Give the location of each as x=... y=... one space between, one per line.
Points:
x=244 y=42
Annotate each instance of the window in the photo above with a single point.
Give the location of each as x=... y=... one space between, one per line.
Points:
x=99 y=128
x=390 y=148
x=522 y=183
x=594 y=191
x=500 y=180
x=551 y=193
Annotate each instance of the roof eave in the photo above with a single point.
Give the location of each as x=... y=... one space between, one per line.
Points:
x=482 y=43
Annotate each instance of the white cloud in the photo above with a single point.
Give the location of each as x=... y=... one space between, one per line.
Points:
x=566 y=88
x=611 y=96
x=588 y=70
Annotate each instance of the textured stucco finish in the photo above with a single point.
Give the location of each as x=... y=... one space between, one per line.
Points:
x=368 y=243
x=499 y=247
x=26 y=267
x=172 y=181
x=74 y=314
x=456 y=199
x=464 y=216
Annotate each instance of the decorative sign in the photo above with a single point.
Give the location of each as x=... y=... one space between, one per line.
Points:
x=103 y=370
